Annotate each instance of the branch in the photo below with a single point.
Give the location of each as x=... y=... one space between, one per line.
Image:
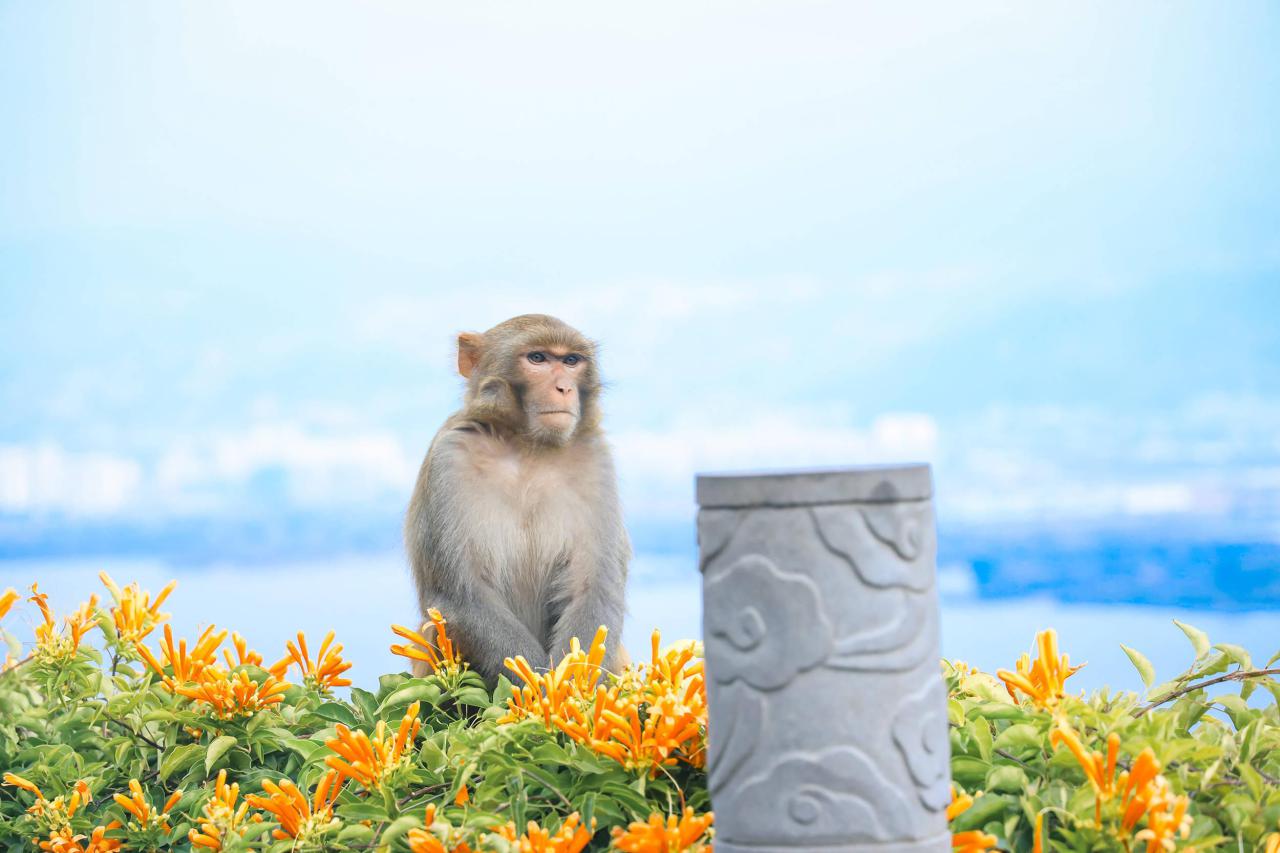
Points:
x=1238 y=675
x=22 y=662
x=1003 y=754
x=139 y=735
x=426 y=789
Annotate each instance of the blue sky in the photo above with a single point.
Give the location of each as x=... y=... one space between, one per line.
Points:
x=1035 y=246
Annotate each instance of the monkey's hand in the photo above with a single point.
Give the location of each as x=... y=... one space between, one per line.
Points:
x=487 y=632
x=583 y=618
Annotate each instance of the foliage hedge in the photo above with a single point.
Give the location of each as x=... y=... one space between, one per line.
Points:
x=107 y=743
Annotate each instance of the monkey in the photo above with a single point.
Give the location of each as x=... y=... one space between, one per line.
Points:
x=514 y=531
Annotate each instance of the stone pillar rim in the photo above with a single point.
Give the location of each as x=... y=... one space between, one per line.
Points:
x=815 y=486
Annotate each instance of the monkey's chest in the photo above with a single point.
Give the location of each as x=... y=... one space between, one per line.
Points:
x=529 y=529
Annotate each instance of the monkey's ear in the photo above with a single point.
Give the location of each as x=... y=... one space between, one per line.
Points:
x=470 y=346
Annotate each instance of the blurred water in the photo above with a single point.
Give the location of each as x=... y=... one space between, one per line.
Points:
x=359 y=597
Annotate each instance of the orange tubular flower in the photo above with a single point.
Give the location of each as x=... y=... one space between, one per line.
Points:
x=60 y=809
x=7 y=599
x=1165 y=820
x=440 y=655
x=300 y=818
x=244 y=655
x=427 y=841
x=1042 y=680
x=370 y=760
x=135 y=614
x=65 y=841
x=50 y=643
x=959 y=804
x=649 y=718
x=220 y=815
x=570 y=838
x=973 y=841
x=324 y=672
x=186 y=667
x=140 y=807
x=235 y=695
x=1098 y=770
x=1145 y=792
x=682 y=834
x=25 y=784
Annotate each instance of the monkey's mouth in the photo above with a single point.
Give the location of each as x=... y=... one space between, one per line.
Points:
x=568 y=412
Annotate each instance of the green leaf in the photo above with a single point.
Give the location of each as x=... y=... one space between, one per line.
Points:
x=398 y=828
x=160 y=715
x=1020 y=737
x=1249 y=739
x=1236 y=709
x=355 y=834
x=1006 y=779
x=984 y=808
x=1199 y=639
x=969 y=771
x=362 y=811
x=998 y=711
x=1210 y=774
x=1215 y=663
x=216 y=750
x=1236 y=654
x=1252 y=780
x=179 y=759
x=432 y=757
x=475 y=697
x=503 y=691
x=308 y=750
x=414 y=691
x=366 y=703
x=337 y=712
x=390 y=682
x=1145 y=670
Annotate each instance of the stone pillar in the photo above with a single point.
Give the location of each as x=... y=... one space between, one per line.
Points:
x=828 y=718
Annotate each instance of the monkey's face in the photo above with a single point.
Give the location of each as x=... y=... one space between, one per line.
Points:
x=551 y=377
x=531 y=376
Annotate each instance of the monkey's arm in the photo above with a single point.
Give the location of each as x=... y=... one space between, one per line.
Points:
x=479 y=620
x=441 y=533
x=487 y=631
x=598 y=583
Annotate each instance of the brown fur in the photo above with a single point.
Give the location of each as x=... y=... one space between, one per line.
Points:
x=515 y=531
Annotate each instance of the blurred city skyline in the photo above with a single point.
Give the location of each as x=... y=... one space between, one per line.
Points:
x=1033 y=247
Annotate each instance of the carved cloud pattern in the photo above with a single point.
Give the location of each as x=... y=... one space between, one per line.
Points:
x=920 y=733
x=729 y=750
x=853 y=535
x=772 y=623
x=818 y=797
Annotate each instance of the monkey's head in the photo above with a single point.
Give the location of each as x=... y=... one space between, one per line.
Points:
x=533 y=376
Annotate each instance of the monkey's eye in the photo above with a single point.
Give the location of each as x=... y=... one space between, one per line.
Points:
x=537 y=357
x=570 y=360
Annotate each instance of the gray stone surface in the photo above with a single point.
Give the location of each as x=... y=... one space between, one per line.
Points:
x=828 y=728
x=872 y=484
